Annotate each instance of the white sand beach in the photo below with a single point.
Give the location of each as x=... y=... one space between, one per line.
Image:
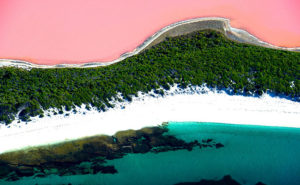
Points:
x=196 y=104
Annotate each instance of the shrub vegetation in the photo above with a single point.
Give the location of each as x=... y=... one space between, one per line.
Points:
x=194 y=59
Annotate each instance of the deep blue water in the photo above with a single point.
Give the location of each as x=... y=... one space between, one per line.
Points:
x=250 y=154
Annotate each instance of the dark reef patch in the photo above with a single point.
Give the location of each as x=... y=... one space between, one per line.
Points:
x=89 y=155
x=226 y=180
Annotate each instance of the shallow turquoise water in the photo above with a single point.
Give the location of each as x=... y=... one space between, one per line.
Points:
x=251 y=154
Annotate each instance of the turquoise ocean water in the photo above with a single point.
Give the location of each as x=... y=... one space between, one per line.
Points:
x=250 y=154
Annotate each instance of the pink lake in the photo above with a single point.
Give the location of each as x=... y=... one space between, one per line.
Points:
x=79 y=31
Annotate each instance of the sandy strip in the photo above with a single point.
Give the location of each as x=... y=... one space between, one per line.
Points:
x=200 y=105
x=180 y=28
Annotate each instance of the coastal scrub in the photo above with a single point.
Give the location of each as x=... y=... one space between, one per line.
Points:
x=203 y=57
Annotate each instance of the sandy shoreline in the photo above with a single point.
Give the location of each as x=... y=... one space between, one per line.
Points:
x=176 y=29
x=199 y=104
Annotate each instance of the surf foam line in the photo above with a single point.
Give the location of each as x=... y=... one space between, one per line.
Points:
x=175 y=29
x=198 y=104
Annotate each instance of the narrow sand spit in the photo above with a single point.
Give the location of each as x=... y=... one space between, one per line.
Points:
x=53 y=32
x=176 y=29
x=197 y=104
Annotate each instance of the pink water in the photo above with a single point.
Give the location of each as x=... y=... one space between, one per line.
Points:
x=79 y=31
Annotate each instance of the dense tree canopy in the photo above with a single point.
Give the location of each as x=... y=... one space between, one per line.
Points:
x=194 y=59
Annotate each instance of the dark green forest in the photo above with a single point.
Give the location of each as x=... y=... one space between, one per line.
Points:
x=194 y=59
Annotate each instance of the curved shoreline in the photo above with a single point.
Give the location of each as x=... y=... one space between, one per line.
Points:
x=198 y=104
x=175 y=29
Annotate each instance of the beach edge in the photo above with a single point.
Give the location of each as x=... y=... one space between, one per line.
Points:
x=172 y=30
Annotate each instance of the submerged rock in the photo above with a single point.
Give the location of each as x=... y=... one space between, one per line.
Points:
x=89 y=155
x=219 y=145
x=25 y=171
x=226 y=180
x=104 y=169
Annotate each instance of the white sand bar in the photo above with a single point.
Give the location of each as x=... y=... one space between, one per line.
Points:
x=216 y=23
x=199 y=104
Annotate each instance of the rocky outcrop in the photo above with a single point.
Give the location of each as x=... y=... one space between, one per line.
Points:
x=89 y=155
